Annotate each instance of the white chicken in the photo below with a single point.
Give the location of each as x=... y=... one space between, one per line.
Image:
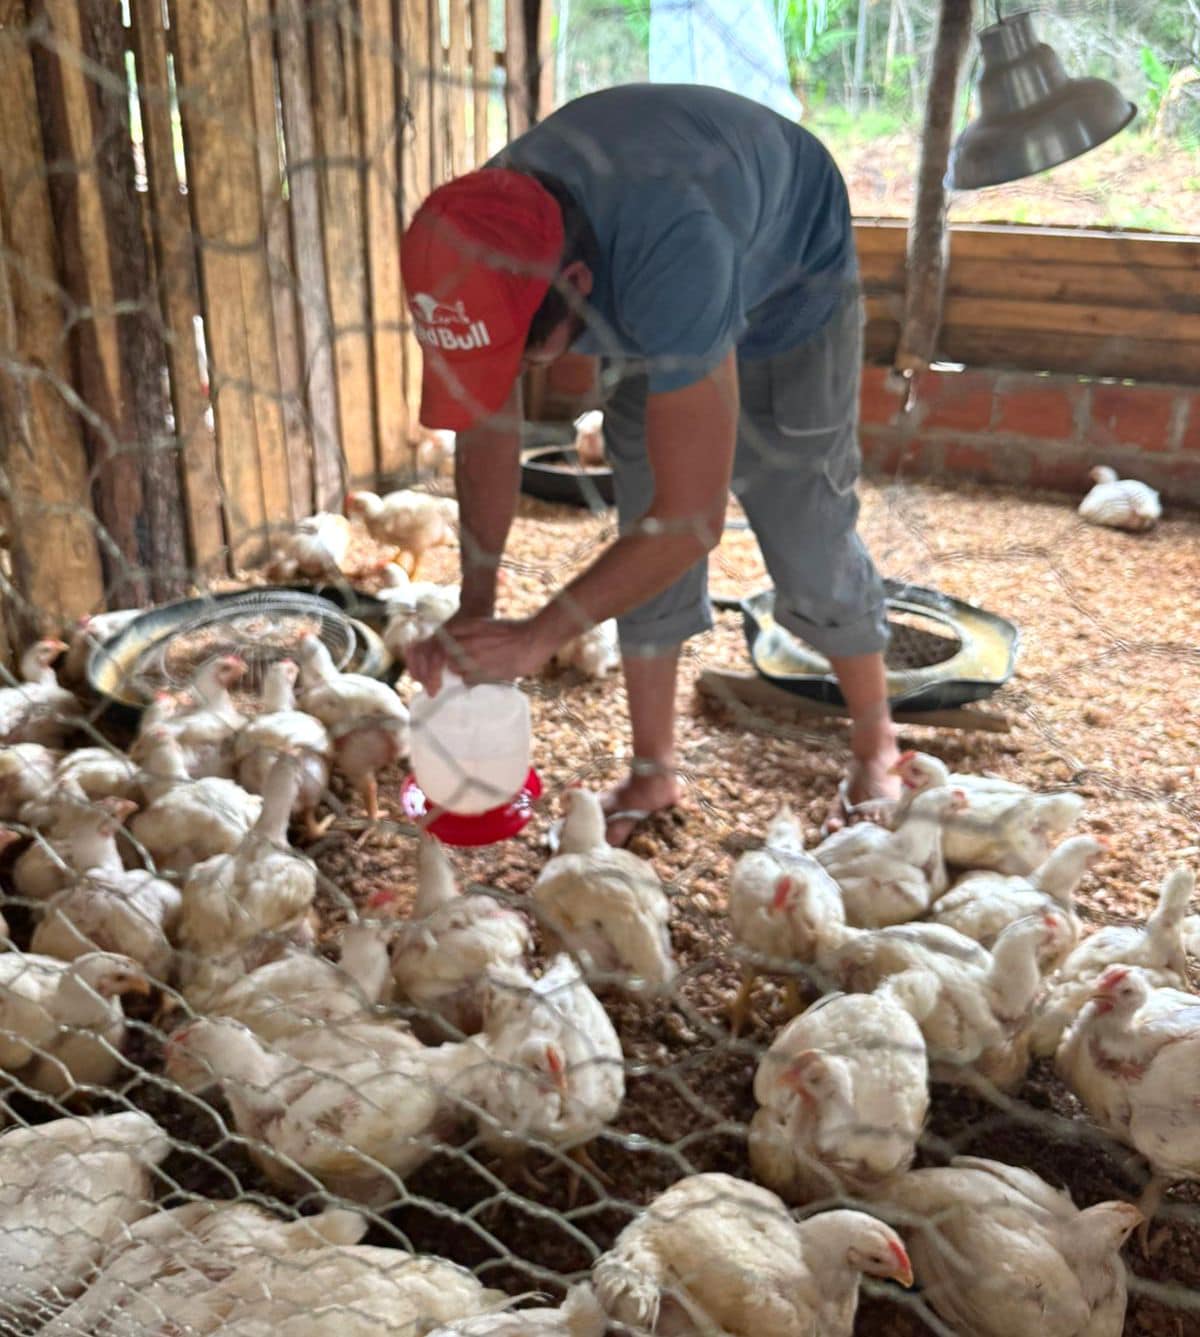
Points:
x=99 y=772
x=605 y=905
x=979 y=1027
x=1156 y=946
x=261 y=889
x=580 y=1315
x=206 y=725
x=367 y=722
x=355 y=1109
x=187 y=820
x=594 y=652
x=163 y=1268
x=889 y=877
x=300 y=991
x=89 y=631
x=316 y=548
x=38 y=710
x=27 y=775
x=434 y=450
x=82 y=839
x=415 y=609
x=1005 y=827
x=411 y=522
x=1132 y=1056
x=279 y=728
x=779 y=899
x=61 y=1022
x=843 y=1092
x=1120 y=503
x=589 y=438
x=997 y=1251
x=68 y=1190
x=982 y=904
x=441 y=953
x=558 y=1072
x=341 y=1291
x=716 y=1255
x=126 y=911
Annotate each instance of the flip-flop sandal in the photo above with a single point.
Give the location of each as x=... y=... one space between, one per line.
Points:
x=850 y=814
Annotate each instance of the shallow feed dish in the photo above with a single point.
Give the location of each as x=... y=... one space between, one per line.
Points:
x=484 y=828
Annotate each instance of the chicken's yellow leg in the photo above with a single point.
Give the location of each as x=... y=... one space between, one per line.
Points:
x=739 y=1009
x=1148 y=1205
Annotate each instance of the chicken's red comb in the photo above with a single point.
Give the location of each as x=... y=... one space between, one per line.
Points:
x=377 y=899
x=783 y=889
x=554 y=1059
x=900 y=1254
x=1112 y=977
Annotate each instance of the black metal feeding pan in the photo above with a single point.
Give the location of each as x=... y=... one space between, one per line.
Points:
x=165 y=646
x=944 y=652
x=553 y=473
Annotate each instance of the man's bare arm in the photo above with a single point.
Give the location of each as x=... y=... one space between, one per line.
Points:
x=690 y=437
x=487 y=472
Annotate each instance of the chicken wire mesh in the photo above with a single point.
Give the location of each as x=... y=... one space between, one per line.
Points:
x=341 y=1079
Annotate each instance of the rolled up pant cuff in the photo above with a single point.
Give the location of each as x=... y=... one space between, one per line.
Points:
x=645 y=639
x=866 y=635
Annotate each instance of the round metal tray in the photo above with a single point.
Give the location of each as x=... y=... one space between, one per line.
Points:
x=553 y=473
x=944 y=652
x=163 y=647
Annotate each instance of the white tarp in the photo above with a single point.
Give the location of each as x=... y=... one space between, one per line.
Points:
x=731 y=44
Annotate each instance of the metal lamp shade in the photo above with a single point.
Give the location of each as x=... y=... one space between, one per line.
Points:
x=1031 y=116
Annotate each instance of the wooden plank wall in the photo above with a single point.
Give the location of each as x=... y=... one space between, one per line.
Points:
x=1046 y=299
x=205 y=299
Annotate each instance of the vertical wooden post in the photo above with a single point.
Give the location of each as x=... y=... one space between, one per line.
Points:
x=119 y=351
x=289 y=356
x=217 y=107
x=516 y=68
x=296 y=96
x=415 y=158
x=439 y=130
x=178 y=293
x=544 y=60
x=44 y=483
x=381 y=66
x=482 y=65
x=928 y=238
x=457 y=89
x=339 y=139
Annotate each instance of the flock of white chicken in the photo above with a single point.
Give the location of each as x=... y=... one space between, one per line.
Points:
x=943 y=937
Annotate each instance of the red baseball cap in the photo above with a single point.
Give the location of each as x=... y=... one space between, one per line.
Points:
x=477 y=259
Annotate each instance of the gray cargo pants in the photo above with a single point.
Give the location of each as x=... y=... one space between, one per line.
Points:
x=794 y=473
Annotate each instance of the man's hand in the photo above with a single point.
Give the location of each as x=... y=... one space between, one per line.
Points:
x=481 y=649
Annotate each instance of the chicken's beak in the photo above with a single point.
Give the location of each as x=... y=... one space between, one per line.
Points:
x=903 y=1273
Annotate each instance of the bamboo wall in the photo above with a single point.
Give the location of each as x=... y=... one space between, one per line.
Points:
x=202 y=331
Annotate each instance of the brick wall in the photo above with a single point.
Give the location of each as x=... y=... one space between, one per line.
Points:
x=1044 y=431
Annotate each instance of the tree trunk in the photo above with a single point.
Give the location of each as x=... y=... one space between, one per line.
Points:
x=889 y=51
x=928 y=238
x=860 y=56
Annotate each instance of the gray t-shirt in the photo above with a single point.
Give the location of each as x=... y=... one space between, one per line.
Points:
x=721 y=225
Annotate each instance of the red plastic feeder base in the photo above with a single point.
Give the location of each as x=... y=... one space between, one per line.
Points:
x=482 y=828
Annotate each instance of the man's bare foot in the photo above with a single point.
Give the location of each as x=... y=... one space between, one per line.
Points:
x=636 y=799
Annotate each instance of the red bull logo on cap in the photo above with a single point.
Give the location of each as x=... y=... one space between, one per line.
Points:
x=446 y=325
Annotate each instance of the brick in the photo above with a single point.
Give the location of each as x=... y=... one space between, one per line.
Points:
x=1059 y=471
x=1034 y=407
x=879 y=403
x=887 y=452
x=970 y=459
x=1132 y=415
x=1191 y=425
x=960 y=401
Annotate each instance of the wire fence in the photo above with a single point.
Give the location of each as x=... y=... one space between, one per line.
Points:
x=276 y=1059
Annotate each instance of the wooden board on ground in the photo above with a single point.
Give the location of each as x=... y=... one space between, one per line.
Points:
x=751 y=689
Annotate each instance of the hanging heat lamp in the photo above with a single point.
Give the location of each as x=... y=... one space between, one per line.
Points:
x=1031 y=115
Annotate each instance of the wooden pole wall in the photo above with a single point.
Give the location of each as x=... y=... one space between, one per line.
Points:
x=45 y=482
